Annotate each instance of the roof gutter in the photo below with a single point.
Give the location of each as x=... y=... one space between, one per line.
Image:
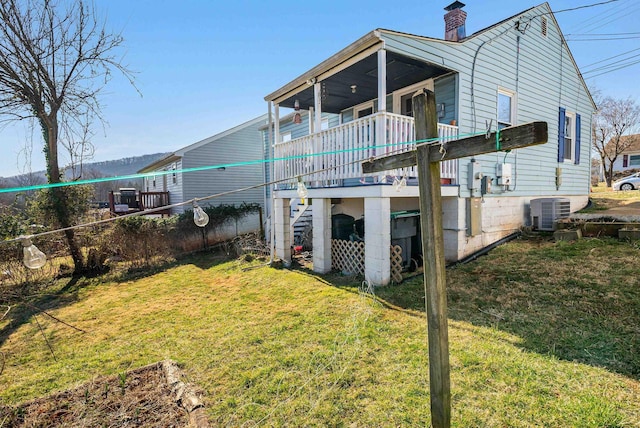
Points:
x=324 y=69
x=154 y=166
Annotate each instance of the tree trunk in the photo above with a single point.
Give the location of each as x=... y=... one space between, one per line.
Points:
x=57 y=195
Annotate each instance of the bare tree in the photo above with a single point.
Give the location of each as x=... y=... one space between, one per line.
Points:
x=55 y=58
x=612 y=124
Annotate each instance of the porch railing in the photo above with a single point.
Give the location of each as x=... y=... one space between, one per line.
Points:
x=337 y=152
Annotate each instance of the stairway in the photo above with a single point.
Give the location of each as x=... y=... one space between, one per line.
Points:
x=301 y=222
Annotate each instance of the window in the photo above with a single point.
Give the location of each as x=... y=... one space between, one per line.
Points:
x=634 y=160
x=402 y=98
x=568 y=136
x=506 y=108
x=406 y=105
x=285 y=136
x=569 y=133
x=363 y=110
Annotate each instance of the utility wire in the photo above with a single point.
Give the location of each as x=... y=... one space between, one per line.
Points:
x=611 y=57
x=599 y=39
x=615 y=69
x=584 y=6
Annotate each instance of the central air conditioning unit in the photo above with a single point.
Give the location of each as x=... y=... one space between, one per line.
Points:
x=546 y=211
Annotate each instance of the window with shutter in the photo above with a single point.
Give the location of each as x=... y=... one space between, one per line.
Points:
x=561 y=128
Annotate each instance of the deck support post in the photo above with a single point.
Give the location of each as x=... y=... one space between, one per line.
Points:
x=282 y=216
x=377 y=243
x=321 y=235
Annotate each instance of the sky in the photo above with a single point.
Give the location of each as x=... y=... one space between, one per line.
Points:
x=204 y=66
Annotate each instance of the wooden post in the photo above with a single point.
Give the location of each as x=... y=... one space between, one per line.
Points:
x=426 y=123
x=428 y=158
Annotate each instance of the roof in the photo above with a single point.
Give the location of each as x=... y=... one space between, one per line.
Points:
x=177 y=155
x=370 y=42
x=633 y=142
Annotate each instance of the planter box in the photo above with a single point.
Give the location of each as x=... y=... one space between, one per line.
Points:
x=567 y=235
x=630 y=234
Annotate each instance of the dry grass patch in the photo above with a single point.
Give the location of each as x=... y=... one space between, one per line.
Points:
x=136 y=398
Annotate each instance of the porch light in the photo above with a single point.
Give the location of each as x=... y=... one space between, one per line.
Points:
x=33 y=257
x=200 y=218
x=297 y=118
x=353 y=89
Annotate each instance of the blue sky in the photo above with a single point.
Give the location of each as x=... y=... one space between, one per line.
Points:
x=204 y=66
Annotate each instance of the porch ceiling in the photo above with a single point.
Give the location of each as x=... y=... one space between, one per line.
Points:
x=337 y=93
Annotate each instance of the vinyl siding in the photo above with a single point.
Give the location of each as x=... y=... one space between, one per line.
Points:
x=242 y=145
x=175 y=189
x=540 y=70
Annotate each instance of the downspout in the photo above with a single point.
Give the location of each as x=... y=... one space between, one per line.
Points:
x=271 y=195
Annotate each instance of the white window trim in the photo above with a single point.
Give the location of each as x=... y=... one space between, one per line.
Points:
x=572 y=115
x=514 y=103
x=397 y=95
x=358 y=108
x=285 y=137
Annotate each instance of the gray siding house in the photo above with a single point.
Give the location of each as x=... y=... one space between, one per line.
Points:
x=517 y=71
x=239 y=144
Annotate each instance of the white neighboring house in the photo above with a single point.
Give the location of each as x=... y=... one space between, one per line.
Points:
x=629 y=159
x=236 y=145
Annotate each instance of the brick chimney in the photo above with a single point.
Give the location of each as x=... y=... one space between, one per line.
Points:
x=454 y=21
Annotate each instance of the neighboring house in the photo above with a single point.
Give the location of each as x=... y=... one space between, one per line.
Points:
x=239 y=144
x=629 y=158
x=516 y=71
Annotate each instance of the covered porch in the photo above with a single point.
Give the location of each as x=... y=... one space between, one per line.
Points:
x=359 y=106
x=351 y=107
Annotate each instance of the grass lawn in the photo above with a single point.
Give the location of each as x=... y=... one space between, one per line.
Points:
x=605 y=198
x=541 y=334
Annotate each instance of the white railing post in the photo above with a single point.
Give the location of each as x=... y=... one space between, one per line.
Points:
x=342 y=146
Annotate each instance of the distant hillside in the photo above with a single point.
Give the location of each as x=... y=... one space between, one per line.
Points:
x=112 y=168
x=124 y=166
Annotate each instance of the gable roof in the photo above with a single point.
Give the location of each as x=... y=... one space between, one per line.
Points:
x=633 y=141
x=370 y=42
x=173 y=157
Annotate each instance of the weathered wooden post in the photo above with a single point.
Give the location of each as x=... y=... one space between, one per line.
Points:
x=428 y=158
x=426 y=123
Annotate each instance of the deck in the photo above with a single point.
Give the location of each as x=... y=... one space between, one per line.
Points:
x=329 y=157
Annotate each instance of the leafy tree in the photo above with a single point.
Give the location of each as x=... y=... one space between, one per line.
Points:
x=612 y=124
x=55 y=58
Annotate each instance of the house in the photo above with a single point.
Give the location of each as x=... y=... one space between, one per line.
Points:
x=235 y=145
x=359 y=104
x=629 y=158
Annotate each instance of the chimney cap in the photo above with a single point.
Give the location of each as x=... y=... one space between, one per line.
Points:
x=454 y=5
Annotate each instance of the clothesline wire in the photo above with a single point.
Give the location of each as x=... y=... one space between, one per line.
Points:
x=217 y=195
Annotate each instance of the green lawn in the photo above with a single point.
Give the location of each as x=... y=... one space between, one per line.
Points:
x=541 y=334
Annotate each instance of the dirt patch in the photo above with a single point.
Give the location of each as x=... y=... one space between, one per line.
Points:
x=138 y=398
